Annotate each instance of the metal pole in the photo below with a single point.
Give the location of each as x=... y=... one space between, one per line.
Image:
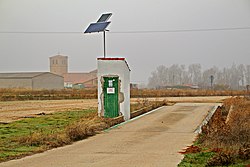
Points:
x=104 y=43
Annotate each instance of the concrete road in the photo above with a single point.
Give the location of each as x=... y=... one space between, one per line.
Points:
x=152 y=140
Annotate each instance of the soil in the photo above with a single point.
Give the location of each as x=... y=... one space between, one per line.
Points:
x=16 y=110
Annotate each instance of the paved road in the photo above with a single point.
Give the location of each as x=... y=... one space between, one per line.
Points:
x=152 y=140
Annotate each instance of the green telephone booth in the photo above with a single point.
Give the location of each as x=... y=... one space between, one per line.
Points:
x=111 y=103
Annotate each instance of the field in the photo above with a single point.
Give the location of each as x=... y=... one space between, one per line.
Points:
x=25 y=94
x=16 y=110
x=35 y=121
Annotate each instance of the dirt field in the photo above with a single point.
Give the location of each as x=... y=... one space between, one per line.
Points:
x=15 y=110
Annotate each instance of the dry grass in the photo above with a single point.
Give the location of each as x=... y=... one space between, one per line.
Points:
x=144 y=93
x=26 y=94
x=225 y=140
x=87 y=126
x=228 y=132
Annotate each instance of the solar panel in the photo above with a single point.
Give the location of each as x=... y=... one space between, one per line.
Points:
x=100 y=26
x=97 y=27
x=104 y=17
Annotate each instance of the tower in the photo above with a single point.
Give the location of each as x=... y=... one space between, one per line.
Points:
x=59 y=64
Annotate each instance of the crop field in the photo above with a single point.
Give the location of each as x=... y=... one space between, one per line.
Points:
x=24 y=94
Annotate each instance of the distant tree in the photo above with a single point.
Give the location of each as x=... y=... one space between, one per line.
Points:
x=248 y=74
x=206 y=77
x=174 y=74
x=241 y=71
x=158 y=78
x=195 y=73
x=234 y=77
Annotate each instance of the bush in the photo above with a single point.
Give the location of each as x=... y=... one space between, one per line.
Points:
x=221 y=159
x=228 y=132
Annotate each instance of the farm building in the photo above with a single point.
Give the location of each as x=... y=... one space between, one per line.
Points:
x=78 y=80
x=31 y=80
x=86 y=80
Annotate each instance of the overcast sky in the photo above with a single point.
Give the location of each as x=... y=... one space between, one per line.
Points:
x=143 y=51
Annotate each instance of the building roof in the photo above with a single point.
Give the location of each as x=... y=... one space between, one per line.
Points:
x=23 y=75
x=79 y=77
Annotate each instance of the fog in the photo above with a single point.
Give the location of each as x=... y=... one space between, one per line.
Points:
x=216 y=45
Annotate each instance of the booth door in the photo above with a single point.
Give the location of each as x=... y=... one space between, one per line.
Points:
x=111 y=104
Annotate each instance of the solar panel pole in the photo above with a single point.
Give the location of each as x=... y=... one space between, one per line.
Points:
x=104 y=43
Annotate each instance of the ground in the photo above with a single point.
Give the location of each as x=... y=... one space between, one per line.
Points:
x=16 y=110
x=151 y=140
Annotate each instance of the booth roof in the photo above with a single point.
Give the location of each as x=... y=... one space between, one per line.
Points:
x=111 y=59
x=121 y=58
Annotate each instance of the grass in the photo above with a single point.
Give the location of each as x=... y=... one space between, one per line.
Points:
x=201 y=159
x=196 y=159
x=37 y=134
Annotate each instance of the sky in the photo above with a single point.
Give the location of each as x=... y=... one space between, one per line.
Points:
x=163 y=44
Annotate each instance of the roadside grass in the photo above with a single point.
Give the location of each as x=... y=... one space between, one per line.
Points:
x=225 y=140
x=201 y=159
x=196 y=159
x=144 y=103
x=31 y=135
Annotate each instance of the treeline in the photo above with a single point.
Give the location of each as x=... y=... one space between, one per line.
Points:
x=236 y=77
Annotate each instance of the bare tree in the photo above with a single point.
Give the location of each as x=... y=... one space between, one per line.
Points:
x=206 y=77
x=159 y=77
x=241 y=71
x=235 y=77
x=248 y=74
x=195 y=73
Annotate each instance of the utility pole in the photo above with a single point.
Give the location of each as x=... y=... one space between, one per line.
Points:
x=248 y=90
x=211 y=81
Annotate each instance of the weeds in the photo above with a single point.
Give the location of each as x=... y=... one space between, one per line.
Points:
x=227 y=130
x=227 y=135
